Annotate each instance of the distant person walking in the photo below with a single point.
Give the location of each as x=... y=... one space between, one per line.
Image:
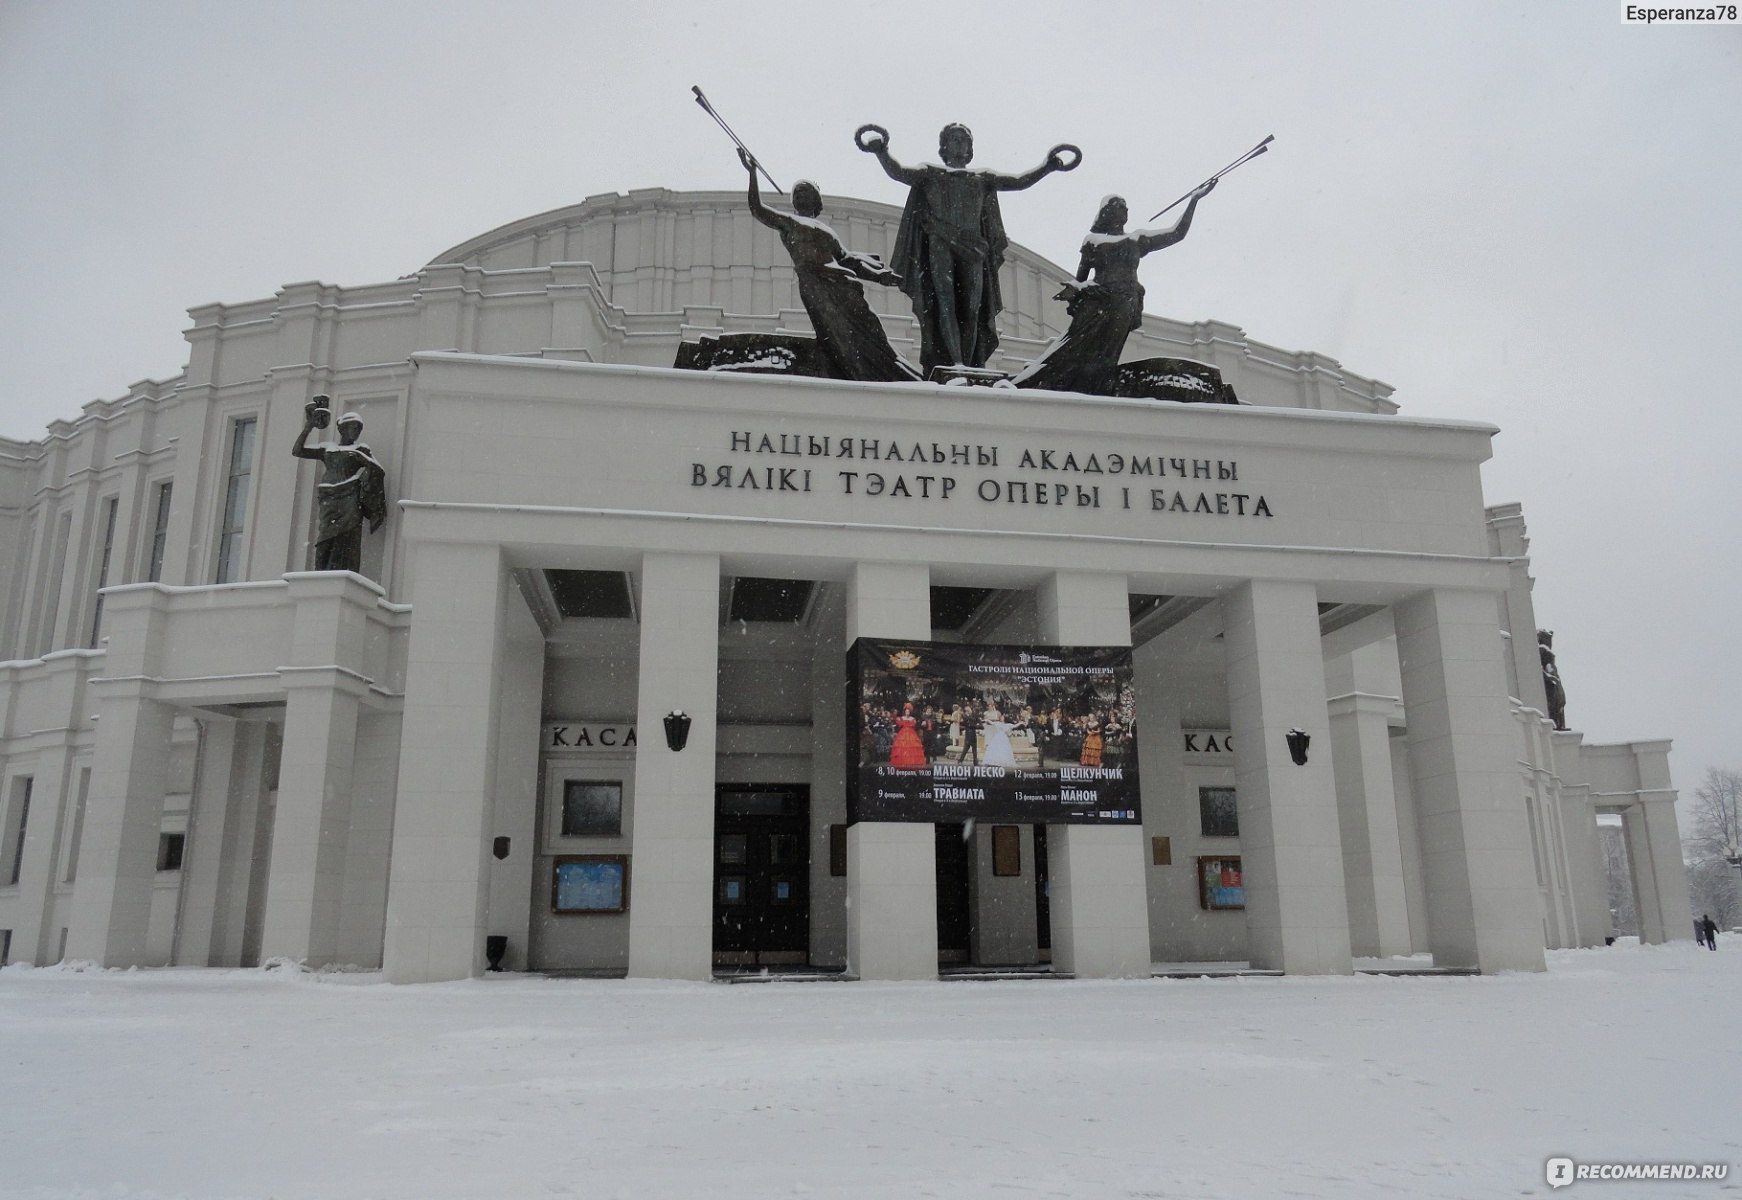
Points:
x=1710 y=928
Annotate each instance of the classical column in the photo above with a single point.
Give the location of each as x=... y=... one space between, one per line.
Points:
x=1484 y=909
x=892 y=887
x=1098 y=898
x=1297 y=914
x=447 y=765
x=515 y=814
x=1409 y=836
x=209 y=819
x=1367 y=817
x=32 y=939
x=311 y=825
x=671 y=899
x=1659 y=878
x=829 y=767
x=123 y=817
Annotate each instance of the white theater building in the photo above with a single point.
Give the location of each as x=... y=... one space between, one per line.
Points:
x=210 y=756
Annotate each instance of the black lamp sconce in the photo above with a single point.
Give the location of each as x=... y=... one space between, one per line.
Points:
x=1298 y=740
x=677 y=729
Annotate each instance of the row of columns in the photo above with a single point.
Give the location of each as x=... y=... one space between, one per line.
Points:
x=312 y=868
x=1299 y=823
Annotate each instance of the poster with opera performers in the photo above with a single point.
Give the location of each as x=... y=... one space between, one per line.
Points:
x=1030 y=734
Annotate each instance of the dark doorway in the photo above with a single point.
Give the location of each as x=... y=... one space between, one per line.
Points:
x=954 y=916
x=762 y=909
x=1042 y=897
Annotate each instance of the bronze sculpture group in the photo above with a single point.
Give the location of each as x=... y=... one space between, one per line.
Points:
x=948 y=250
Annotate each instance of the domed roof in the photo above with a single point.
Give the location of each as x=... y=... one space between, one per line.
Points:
x=657 y=250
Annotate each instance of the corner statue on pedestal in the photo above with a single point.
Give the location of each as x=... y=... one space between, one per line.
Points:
x=951 y=242
x=1103 y=312
x=1551 y=679
x=352 y=487
x=850 y=341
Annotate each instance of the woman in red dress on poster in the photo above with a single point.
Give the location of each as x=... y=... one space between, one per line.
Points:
x=908 y=750
x=1092 y=743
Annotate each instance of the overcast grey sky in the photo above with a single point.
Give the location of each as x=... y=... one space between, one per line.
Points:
x=1523 y=213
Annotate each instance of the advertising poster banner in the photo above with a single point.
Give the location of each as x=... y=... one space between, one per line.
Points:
x=1029 y=734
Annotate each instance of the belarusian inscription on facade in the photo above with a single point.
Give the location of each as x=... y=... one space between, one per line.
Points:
x=1184 y=496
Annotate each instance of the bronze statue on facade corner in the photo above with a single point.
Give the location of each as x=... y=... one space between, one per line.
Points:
x=353 y=487
x=1551 y=679
x=1107 y=309
x=951 y=242
x=850 y=342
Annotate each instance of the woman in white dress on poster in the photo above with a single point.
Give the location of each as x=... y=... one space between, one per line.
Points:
x=999 y=751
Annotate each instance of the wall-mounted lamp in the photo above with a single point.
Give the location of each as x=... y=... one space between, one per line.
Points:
x=677 y=729
x=1298 y=740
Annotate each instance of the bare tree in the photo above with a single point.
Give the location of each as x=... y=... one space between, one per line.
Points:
x=1712 y=889
x=1713 y=850
x=1618 y=880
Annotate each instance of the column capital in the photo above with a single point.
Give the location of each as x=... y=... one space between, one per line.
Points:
x=1352 y=703
x=326 y=678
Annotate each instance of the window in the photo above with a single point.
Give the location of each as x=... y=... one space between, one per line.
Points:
x=590 y=593
x=159 y=532
x=240 y=474
x=592 y=808
x=17 y=817
x=170 y=847
x=110 y=507
x=1217 y=813
x=72 y=871
x=754 y=599
x=953 y=607
x=51 y=609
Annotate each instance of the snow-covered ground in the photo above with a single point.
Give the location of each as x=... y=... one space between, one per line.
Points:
x=286 y=1084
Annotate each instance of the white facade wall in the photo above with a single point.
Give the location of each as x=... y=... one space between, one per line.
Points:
x=339 y=756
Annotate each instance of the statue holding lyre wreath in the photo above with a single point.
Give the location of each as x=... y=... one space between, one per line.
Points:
x=951 y=242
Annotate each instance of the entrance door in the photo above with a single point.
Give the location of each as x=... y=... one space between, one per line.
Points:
x=954 y=918
x=762 y=910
